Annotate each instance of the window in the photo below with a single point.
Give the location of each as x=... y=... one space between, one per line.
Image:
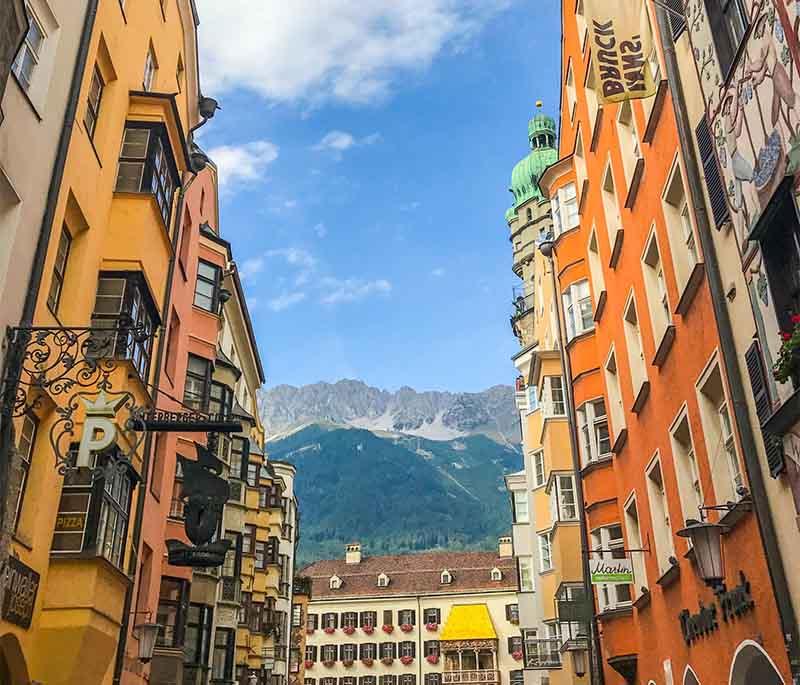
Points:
x=93 y=99
x=306 y=681
x=728 y=23
x=517 y=677
x=628 y=139
x=496 y=574
x=729 y=445
x=368 y=619
x=433 y=679
x=608 y=544
x=349 y=619
x=146 y=165
x=330 y=620
x=595 y=269
x=595 y=441
x=407 y=617
x=198 y=635
x=388 y=617
x=383 y=580
x=689 y=488
x=367 y=679
x=294 y=660
x=633 y=341
x=252 y=481
x=614 y=390
x=249 y=539
x=206 y=292
x=327 y=681
x=408 y=679
x=329 y=652
x=172 y=600
x=261 y=554
x=659 y=513
x=545 y=557
x=680 y=230
x=231 y=567
x=387 y=650
x=446 y=578
x=430 y=648
x=30 y=52
x=512 y=613
x=525 y=567
x=553 y=400
x=240 y=448
x=520 y=506
x=634 y=530
x=538 y=468
x=387 y=680
x=348 y=652
x=27 y=437
x=656 y=287
x=432 y=616
x=578 y=309
x=312 y=621
x=347 y=680
x=514 y=644
x=123 y=297
x=196 y=392
x=150 y=68
x=563 y=505
x=564 y=208
x=407 y=648
x=220 y=401
x=222 y=659
x=368 y=650
x=570 y=88
x=311 y=653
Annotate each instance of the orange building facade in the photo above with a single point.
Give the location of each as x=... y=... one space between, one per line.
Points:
x=643 y=354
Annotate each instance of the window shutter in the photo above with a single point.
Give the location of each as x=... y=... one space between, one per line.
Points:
x=511 y=645
x=677 y=18
x=758 y=382
x=335 y=620
x=413 y=617
x=245 y=458
x=508 y=612
x=714 y=182
x=414 y=649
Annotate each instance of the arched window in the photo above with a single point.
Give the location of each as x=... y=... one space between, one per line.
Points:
x=529 y=214
x=335 y=583
x=446 y=578
x=496 y=574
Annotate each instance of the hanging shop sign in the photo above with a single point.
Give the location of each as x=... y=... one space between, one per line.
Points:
x=204 y=494
x=733 y=603
x=21 y=584
x=159 y=420
x=611 y=572
x=622 y=42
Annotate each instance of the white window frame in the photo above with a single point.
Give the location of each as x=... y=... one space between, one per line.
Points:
x=578 y=308
x=604 y=547
x=526 y=579
x=564 y=209
x=659 y=513
x=150 y=69
x=633 y=528
x=28 y=49
x=630 y=147
x=569 y=84
x=729 y=444
x=521 y=503
x=553 y=407
x=611 y=211
x=614 y=391
x=690 y=488
x=539 y=471
x=680 y=226
x=563 y=497
x=590 y=428
x=633 y=341
x=656 y=286
x=545 y=552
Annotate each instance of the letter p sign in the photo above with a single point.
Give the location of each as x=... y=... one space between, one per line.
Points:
x=99 y=430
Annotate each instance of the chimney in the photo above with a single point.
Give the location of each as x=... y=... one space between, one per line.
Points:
x=505 y=547
x=352 y=553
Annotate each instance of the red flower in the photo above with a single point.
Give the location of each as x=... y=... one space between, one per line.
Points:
x=328 y=664
x=387 y=629
x=309 y=663
x=349 y=630
x=347 y=663
x=387 y=661
x=795 y=318
x=432 y=627
x=432 y=658
x=406 y=660
x=517 y=655
x=785 y=335
x=368 y=629
x=309 y=631
x=330 y=630
x=406 y=627
x=367 y=662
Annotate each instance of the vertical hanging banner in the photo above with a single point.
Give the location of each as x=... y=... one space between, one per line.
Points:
x=621 y=43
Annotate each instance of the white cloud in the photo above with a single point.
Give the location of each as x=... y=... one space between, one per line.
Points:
x=285 y=300
x=438 y=272
x=251 y=267
x=242 y=164
x=321 y=230
x=295 y=256
x=338 y=142
x=352 y=289
x=315 y=50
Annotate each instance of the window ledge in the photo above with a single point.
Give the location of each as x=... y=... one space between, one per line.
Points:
x=636 y=181
x=655 y=113
x=641 y=398
x=200 y=310
x=26 y=97
x=598 y=122
x=601 y=306
x=616 y=248
x=596 y=465
x=690 y=289
x=580 y=336
x=643 y=600
x=671 y=575
x=620 y=441
x=786 y=416
x=737 y=513
x=619 y=612
x=664 y=347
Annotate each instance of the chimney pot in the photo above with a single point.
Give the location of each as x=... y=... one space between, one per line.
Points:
x=352 y=553
x=505 y=547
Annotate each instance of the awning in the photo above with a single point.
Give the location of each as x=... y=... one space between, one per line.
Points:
x=469 y=622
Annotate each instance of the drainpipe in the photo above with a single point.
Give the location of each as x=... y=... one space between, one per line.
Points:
x=730 y=360
x=596 y=676
x=140 y=501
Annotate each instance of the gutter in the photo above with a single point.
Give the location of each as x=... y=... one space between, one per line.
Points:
x=736 y=385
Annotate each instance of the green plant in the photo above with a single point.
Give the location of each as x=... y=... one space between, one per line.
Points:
x=787 y=363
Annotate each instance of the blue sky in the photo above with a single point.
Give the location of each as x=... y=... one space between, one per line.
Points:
x=365 y=150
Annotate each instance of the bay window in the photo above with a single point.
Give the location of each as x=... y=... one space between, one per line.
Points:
x=564 y=208
x=208 y=286
x=173 y=601
x=197 y=389
x=595 y=440
x=577 y=301
x=197 y=643
x=563 y=504
x=553 y=398
x=608 y=544
x=223 y=657
x=538 y=468
x=27 y=437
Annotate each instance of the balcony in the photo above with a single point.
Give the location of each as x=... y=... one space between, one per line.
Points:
x=231 y=590
x=522 y=303
x=543 y=654
x=477 y=676
x=302 y=586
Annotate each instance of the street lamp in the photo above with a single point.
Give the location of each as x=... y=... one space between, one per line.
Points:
x=706 y=539
x=148 y=632
x=579 y=662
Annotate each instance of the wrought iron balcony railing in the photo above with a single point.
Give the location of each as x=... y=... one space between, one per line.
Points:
x=231 y=589
x=543 y=654
x=477 y=676
x=522 y=303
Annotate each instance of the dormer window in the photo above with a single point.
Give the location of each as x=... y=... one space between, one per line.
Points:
x=446 y=577
x=496 y=574
x=383 y=580
x=335 y=583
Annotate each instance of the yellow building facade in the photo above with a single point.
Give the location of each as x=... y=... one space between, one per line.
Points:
x=107 y=260
x=546 y=528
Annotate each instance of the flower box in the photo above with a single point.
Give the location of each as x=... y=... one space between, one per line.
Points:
x=368 y=629
x=788 y=362
x=431 y=627
x=406 y=660
x=387 y=661
x=309 y=663
x=347 y=663
x=367 y=662
x=406 y=627
x=310 y=631
x=330 y=631
x=328 y=664
x=517 y=655
x=432 y=658
x=387 y=629
x=348 y=630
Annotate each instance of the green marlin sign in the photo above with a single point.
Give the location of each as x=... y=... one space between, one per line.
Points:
x=614 y=571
